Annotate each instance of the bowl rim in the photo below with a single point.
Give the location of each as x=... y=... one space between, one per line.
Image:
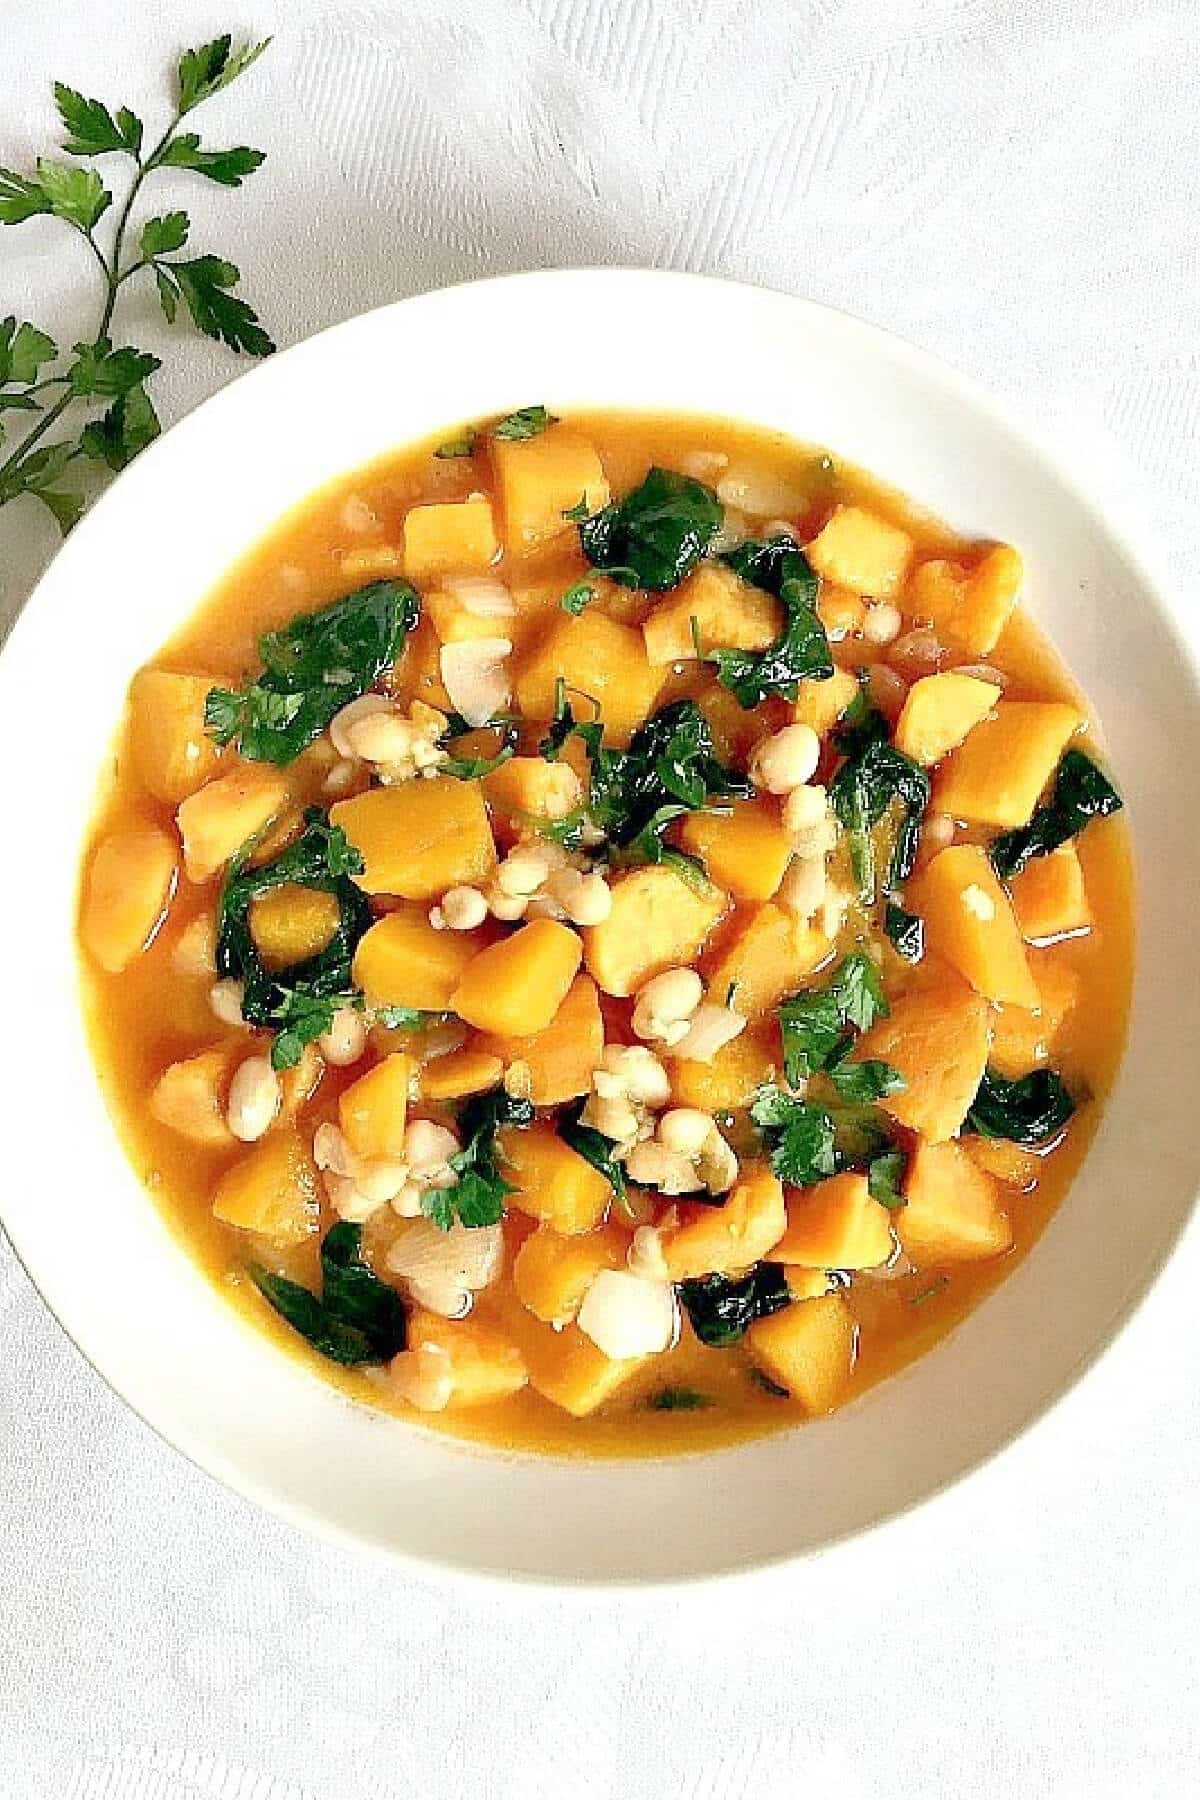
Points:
x=1143 y=565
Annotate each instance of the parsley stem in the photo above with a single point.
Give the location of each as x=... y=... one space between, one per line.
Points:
x=13 y=462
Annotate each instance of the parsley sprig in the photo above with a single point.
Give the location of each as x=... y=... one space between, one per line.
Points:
x=98 y=369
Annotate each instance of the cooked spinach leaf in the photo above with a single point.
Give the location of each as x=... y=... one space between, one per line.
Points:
x=564 y=725
x=656 y=535
x=313 y=667
x=721 y=1311
x=801 y=652
x=874 y=777
x=359 y=1318
x=670 y=763
x=678 y=1399
x=526 y=422
x=478 y=1196
x=1026 y=1112
x=471 y=768
x=858 y=990
x=593 y=1146
x=768 y=1386
x=799 y=1136
x=885 y=1177
x=297 y=1002
x=906 y=931
x=1081 y=793
x=813 y=1025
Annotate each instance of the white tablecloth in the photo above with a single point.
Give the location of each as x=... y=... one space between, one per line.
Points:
x=1010 y=184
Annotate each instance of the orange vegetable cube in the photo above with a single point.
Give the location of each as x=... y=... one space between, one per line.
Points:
x=172 y=752
x=822 y=703
x=836 y=1225
x=1007 y=1162
x=1049 y=897
x=552 y=1273
x=372 y=1111
x=658 y=921
x=402 y=961
x=970 y=922
x=730 y=1081
x=534 y=788
x=552 y=1182
x=597 y=657
x=939 y=711
x=971 y=605
x=769 y=955
x=449 y=538
x=728 y=614
x=1024 y=1039
x=290 y=923
x=220 y=817
x=130 y=881
x=951 y=1210
x=461 y=1073
x=521 y=981
x=566 y=1367
x=936 y=1038
x=859 y=550
x=809 y=1349
x=456 y=1363
x=723 y=1239
x=1000 y=769
x=735 y=731
x=560 y=1058
x=541 y=478
x=455 y=623
x=190 y=1095
x=745 y=850
x=272 y=1191
x=420 y=837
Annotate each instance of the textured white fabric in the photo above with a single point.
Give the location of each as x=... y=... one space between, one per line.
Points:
x=1013 y=185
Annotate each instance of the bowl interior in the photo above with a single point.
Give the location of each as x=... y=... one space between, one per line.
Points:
x=147 y=554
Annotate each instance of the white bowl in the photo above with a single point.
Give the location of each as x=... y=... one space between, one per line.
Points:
x=149 y=551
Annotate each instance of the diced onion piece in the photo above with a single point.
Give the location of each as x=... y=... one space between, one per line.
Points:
x=475 y=677
x=625 y=1316
x=482 y=598
x=444 y=1268
x=711 y=1028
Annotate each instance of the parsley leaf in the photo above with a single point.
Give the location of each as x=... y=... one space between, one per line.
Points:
x=166 y=232
x=862 y=1083
x=204 y=283
x=593 y=1146
x=906 y=931
x=229 y=168
x=359 y=1318
x=799 y=1134
x=577 y=597
x=722 y=1310
x=127 y=427
x=858 y=990
x=656 y=535
x=813 y=1024
x=454 y=448
x=479 y=1195
x=801 y=653
x=23 y=350
x=99 y=369
x=526 y=422
x=1028 y=1111
x=1081 y=793
x=92 y=128
x=205 y=71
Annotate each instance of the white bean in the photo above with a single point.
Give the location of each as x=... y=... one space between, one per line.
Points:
x=463 y=908
x=255 y=1097
x=786 y=760
x=225 y=998
x=882 y=624
x=522 y=873
x=344 y=722
x=675 y=994
x=590 y=902
x=684 y=1129
x=804 y=809
x=346 y=1040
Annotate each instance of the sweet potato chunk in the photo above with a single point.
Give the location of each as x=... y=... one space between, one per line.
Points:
x=998 y=772
x=745 y=850
x=969 y=605
x=730 y=1080
x=531 y=786
x=189 y=1096
x=290 y=923
x=735 y=731
x=420 y=837
x=952 y=1210
x=808 y=1349
x=1023 y=1039
x=402 y=961
x=566 y=1367
x=452 y=538
x=728 y=614
x=595 y=656
x=1008 y=1163
x=822 y=703
x=552 y=1182
x=472 y=1362
x=1049 y=897
x=372 y=1110
x=172 y=752
x=220 y=817
x=970 y=922
x=520 y=981
x=769 y=955
x=561 y=1057
x=937 y=1039
x=541 y=478
x=272 y=1191
x=939 y=711
x=129 y=885
x=835 y=1225
x=723 y=1239
x=461 y=1073
x=552 y=1273
x=658 y=921
x=859 y=550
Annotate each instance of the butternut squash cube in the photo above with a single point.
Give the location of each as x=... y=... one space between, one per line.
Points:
x=728 y=614
x=595 y=656
x=769 y=955
x=720 y=1240
x=951 y=1210
x=272 y=1191
x=461 y=1073
x=836 y=1225
x=1023 y=1039
x=190 y=1095
x=809 y=1349
x=658 y=921
x=420 y=837
x=560 y=1058
x=456 y=624
x=969 y=921
x=372 y=1111
x=541 y=478
x=130 y=881
x=290 y=923
x=402 y=961
x=565 y=1367
x=859 y=550
x=937 y=1039
x=1049 y=897
x=970 y=605
x=822 y=703
x=939 y=711
x=220 y=817
x=455 y=537
x=552 y=1273
x=745 y=850
x=475 y=1358
x=1006 y=1162
x=551 y=1182
x=172 y=752
x=735 y=730
x=1000 y=769
x=534 y=788
x=729 y=1082
x=520 y=981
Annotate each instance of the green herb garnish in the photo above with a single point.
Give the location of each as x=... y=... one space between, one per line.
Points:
x=526 y=422
x=721 y=1311
x=454 y=448
x=656 y=535
x=593 y=1146
x=98 y=370
x=862 y=1083
x=577 y=597
x=801 y=653
x=358 y=1319
x=905 y=930
x=669 y=768
x=478 y=1197
x=471 y=768
x=1026 y=1112
x=799 y=1135
x=1081 y=793
x=885 y=1176
x=678 y=1399
x=813 y=1024
x=874 y=777
x=312 y=668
